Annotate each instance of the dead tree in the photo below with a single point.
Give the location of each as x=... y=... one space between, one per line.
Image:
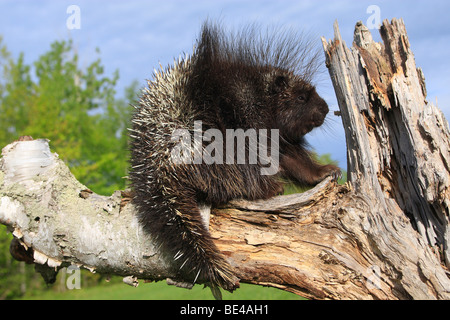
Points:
x=383 y=235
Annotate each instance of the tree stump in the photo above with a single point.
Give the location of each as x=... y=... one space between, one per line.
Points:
x=383 y=235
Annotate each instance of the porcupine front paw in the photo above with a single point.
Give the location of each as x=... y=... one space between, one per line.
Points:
x=331 y=170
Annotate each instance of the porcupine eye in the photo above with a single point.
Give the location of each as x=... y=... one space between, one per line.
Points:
x=301 y=98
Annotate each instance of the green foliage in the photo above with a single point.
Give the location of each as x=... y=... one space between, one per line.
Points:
x=16 y=278
x=7 y=287
x=323 y=159
x=117 y=290
x=75 y=108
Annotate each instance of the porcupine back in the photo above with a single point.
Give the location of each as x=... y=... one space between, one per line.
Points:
x=225 y=84
x=168 y=209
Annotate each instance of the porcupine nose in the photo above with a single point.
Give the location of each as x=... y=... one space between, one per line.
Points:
x=321 y=108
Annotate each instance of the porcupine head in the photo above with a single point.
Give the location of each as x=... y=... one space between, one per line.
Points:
x=256 y=82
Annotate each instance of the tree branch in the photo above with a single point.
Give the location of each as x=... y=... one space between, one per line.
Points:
x=332 y=242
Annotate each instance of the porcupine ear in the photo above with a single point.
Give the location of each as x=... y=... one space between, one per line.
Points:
x=279 y=84
x=276 y=83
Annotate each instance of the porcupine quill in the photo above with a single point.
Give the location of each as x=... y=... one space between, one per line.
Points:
x=245 y=80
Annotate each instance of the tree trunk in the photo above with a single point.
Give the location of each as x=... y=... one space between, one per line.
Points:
x=383 y=235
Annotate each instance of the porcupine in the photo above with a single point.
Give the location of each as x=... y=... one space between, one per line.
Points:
x=232 y=80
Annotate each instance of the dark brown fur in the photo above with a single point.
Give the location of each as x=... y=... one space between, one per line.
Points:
x=228 y=83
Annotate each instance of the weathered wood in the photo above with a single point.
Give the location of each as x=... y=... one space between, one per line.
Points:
x=333 y=242
x=398 y=143
x=48 y=210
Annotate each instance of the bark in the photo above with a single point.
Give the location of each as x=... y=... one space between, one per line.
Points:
x=383 y=235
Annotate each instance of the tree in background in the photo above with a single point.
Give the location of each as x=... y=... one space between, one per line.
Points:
x=77 y=110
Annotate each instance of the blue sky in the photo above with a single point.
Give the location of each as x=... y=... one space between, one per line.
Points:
x=136 y=36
